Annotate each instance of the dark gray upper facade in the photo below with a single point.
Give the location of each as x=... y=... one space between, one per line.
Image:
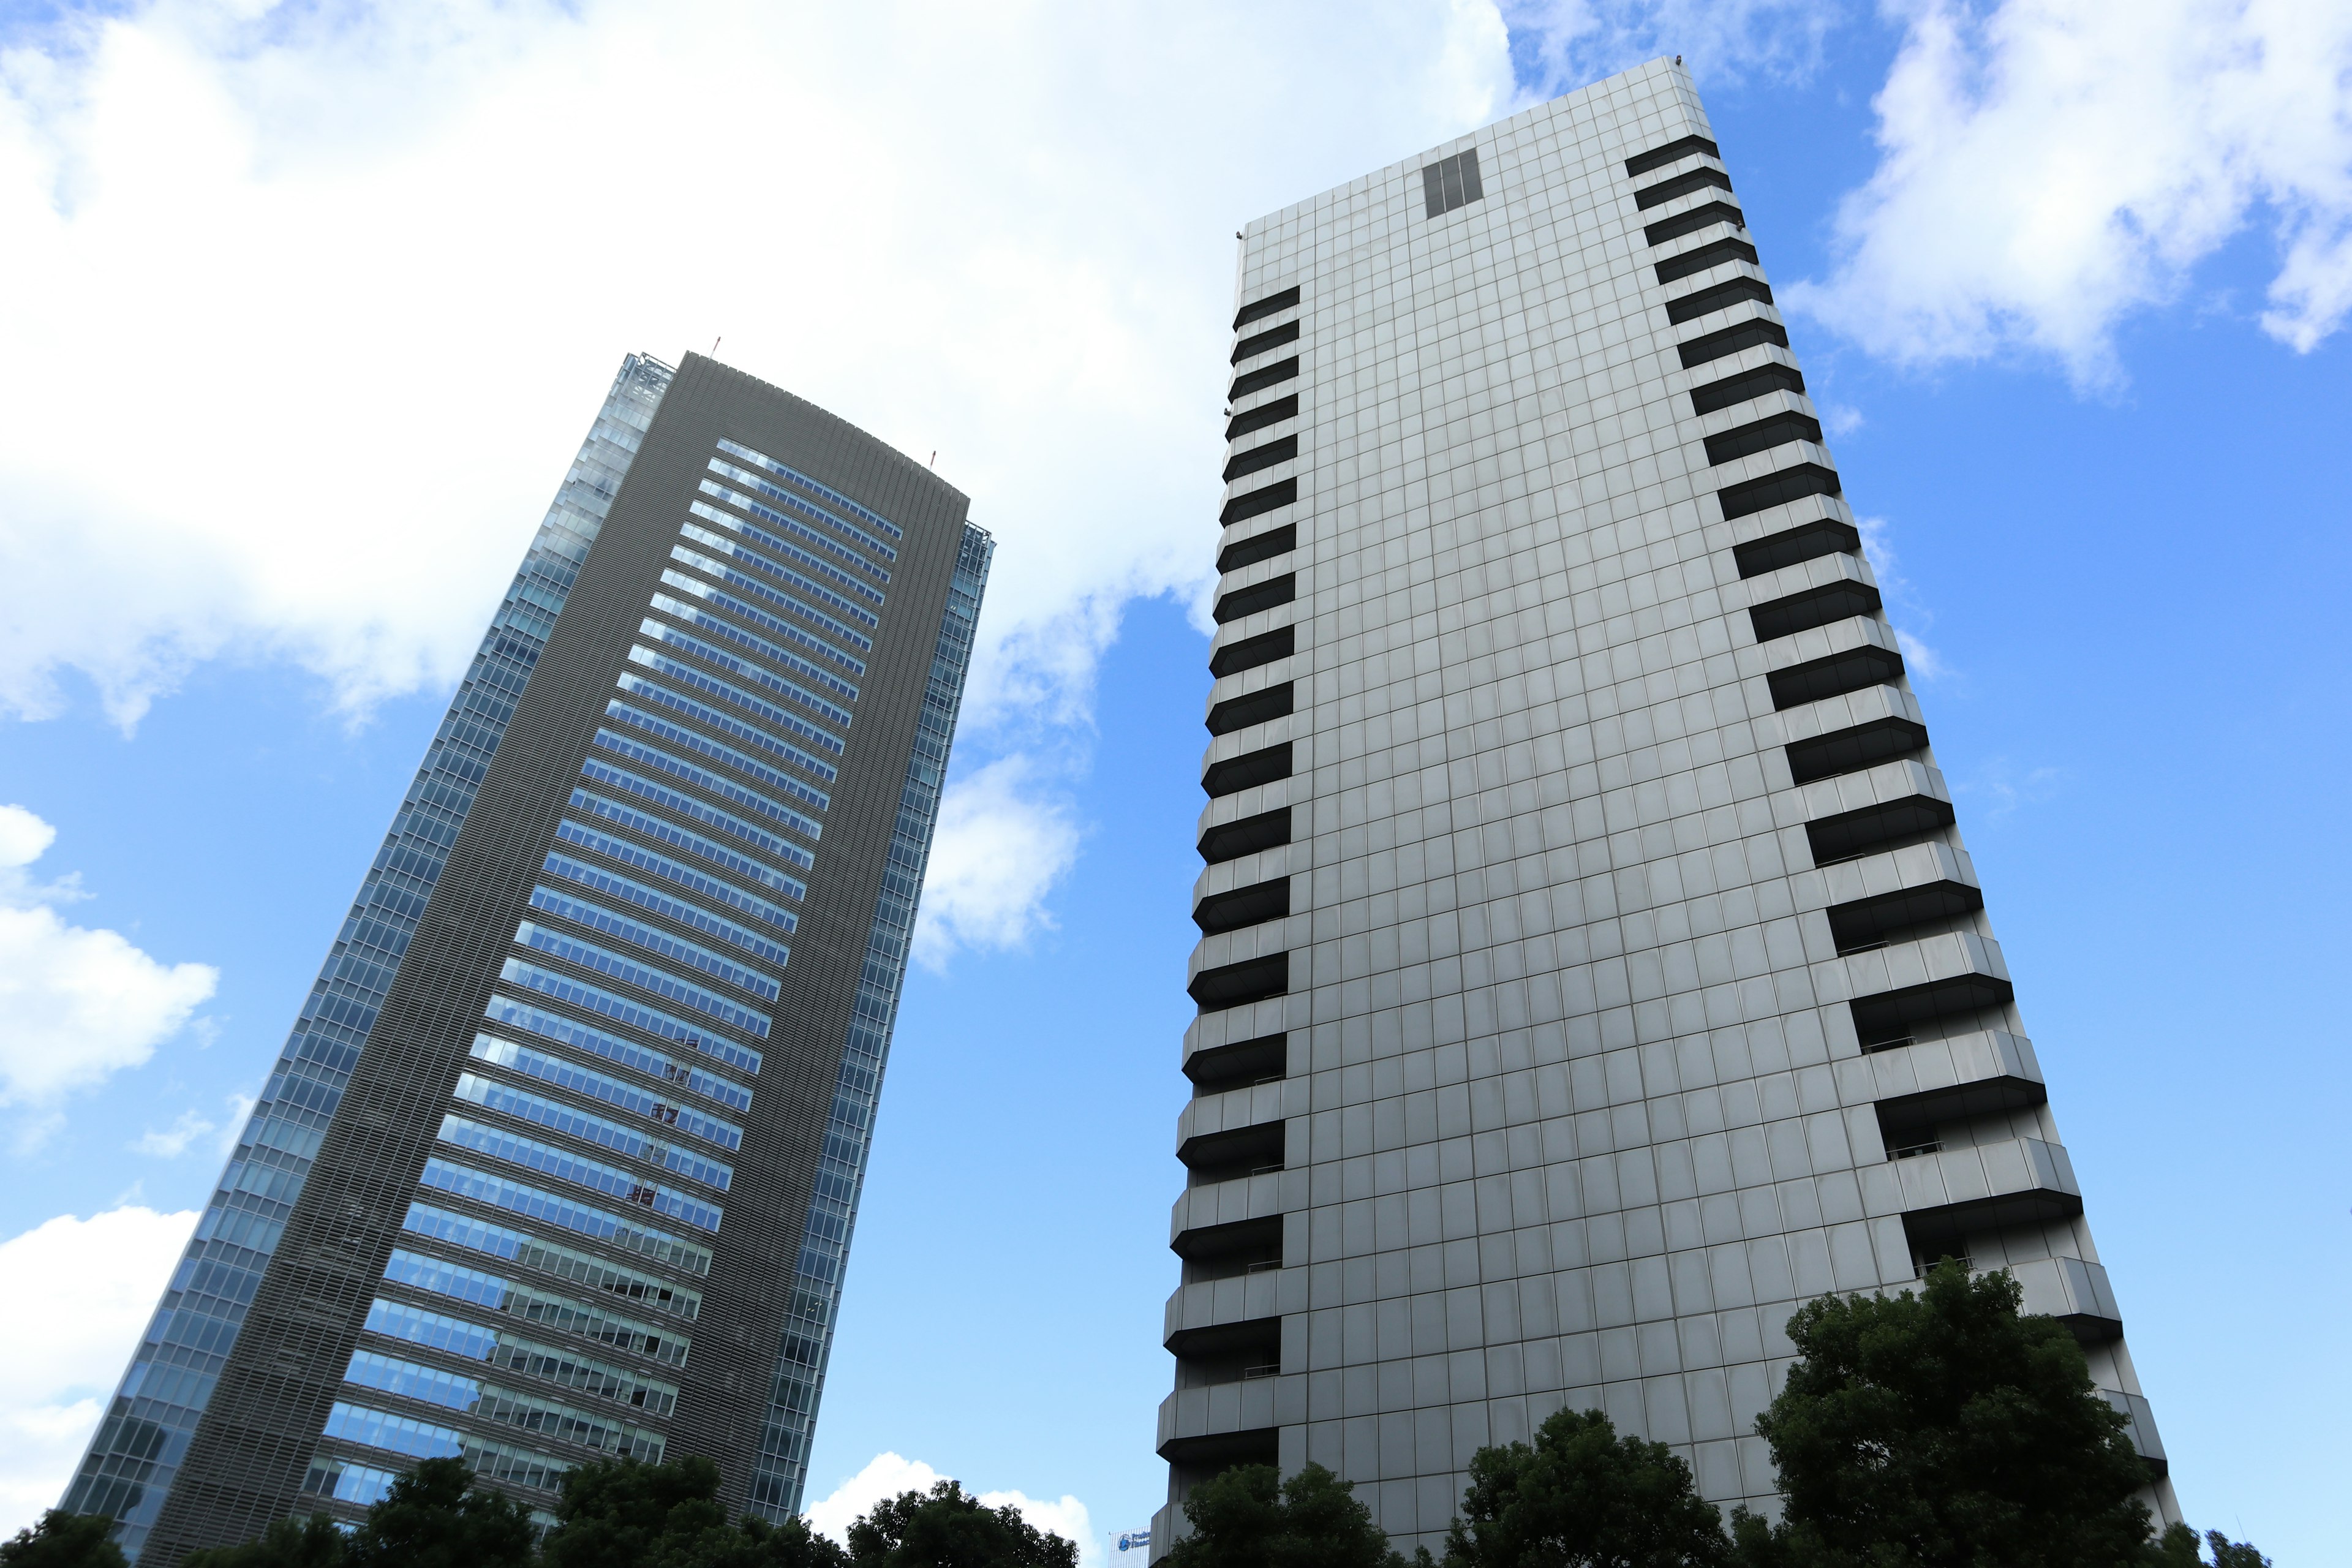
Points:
x=563 y=1157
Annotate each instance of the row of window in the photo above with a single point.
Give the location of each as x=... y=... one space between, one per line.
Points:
x=491 y=1402
x=416 y=1439
x=768 y=713
x=654 y=900
x=774 y=653
x=661 y=983
x=526 y=1016
x=768 y=593
x=727 y=471
x=652 y=1020
x=613 y=924
x=550 y=1160
x=583 y=1269
x=439 y=1277
x=831 y=712
x=769 y=564
x=541 y=1111
x=533 y=1202
x=822 y=491
x=469 y=1341
x=566 y=1074
x=637 y=821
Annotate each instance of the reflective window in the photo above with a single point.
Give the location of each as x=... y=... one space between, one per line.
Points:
x=637 y=821
x=785 y=498
x=662 y=904
x=767 y=593
x=767 y=713
x=823 y=492
x=704 y=779
x=604 y=960
x=597 y=918
x=772 y=567
x=774 y=653
x=611 y=1090
x=684 y=877
x=688 y=806
x=652 y=1021
x=476 y=1342
x=488 y=1401
x=442 y=1278
x=771 y=544
x=653 y=630
x=362 y=1486
x=499 y=1192
x=791 y=502
x=686 y=706
x=754 y=615
x=491 y=1094
x=612 y=1047
x=564 y=1165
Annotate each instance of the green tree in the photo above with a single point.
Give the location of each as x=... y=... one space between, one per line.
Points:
x=625 y=1514
x=64 y=1540
x=1249 y=1516
x=434 y=1517
x=947 y=1527
x=1580 y=1495
x=312 y=1543
x=2179 y=1550
x=1941 y=1428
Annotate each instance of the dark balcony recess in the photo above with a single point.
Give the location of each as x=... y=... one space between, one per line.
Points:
x=1873 y=921
x=1217 y=1341
x=1851 y=750
x=1258 y=459
x=1197 y=1459
x=1831 y=677
x=1250 y=708
x=1237 y=1065
x=1857 y=832
x=1247 y=771
x=1249 y=601
x=1719 y=297
x=1257 y=503
x=1811 y=608
x=1691 y=222
x=1265 y=376
x=1892 y=1016
x=1265 y=342
x=1746 y=387
x=1806 y=542
x=1257 y=547
x=1794 y=483
x=1912 y=1118
x=1676 y=268
x=1236 y=1152
x=1728 y=341
x=1231 y=840
x=1938 y=1231
x=1239 y=984
x=1253 y=905
x=1762 y=435
x=1259 y=310
x=1682 y=184
x=1257 y=1235
x=1251 y=652
x=1659 y=157
x=1263 y=414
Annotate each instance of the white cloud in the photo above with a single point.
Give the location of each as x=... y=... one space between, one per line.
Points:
x=999 y=850
x=76 y=1003
x=173 y=1141
x=2049 y=167
x=888 y=1474
x=326 y=296
x=80 y=1292
x=1562 y=45
x=1922 y=663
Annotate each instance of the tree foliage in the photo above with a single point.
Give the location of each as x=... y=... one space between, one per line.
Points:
x=1249 y=1516
x=1580 y=1495
x=436 y=1517
x=947 y=1527
x=64 y=1540
x=314 y=1542
x=1944 y=1428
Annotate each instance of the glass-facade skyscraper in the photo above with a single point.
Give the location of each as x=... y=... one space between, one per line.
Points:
x=562 y=1158
x=1590 y=968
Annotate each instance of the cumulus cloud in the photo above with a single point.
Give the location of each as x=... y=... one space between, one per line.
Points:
x=1922 y=663
x=1559 y=45
x=2049 y=167
x=328 y=294
x=81 y=1291
x=76 y=1003
x=1002 y=844
x=888 y=1474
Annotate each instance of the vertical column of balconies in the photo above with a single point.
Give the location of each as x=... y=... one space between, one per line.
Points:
x=1972 y=1167
x=1225 y=1323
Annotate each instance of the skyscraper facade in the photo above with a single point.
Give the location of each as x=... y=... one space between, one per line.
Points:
x=1591 y=969
x=562 y=1158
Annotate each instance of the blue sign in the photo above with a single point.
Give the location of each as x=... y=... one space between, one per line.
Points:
x=1134 y=1539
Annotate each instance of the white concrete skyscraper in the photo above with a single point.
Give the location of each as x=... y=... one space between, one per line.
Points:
x=1590 y=968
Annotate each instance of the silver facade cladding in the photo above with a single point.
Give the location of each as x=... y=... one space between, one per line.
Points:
x=555 y=1084
x=1590 y=970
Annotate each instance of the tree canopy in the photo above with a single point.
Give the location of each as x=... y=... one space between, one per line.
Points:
x=1580 y=1495
x=1249 y=1516
x=64 y=1540
x=947 y=1527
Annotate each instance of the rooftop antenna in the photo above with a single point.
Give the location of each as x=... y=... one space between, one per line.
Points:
x=714 y=345
x=935 y=456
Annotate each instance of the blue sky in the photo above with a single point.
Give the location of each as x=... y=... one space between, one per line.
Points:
x=327 y=312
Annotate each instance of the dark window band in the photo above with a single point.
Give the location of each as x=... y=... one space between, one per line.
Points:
x=1239 y=984
x=1729 y=341
x=1247 y=771
x=1682 y=184
x=1806 y=542
x=1253 y=905
x=1720 y=297
x=1242 y=1061
x=1691 y=222
x=1259 y=310
x=1857 y=832
x=1851 y=750
x=1262 y=377
x=1253 y=503
x=1263 y=414
x=1251 y=708
x=1659 y=157
x=1231 y=840
x=1251 y=652
x=1249 y=601
x=1272 y=338
x=1705 y=257
x=1762 y=435
x=1257 y=547
x=1451 y=182
x=1746 y=386
x=1839 y=673
x=1258 y=459
x=1774 y=489
x=1801 y=611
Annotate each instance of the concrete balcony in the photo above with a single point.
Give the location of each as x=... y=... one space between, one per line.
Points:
x=1848 y=814
x=2075 y=1291
x=1907 y=986
x=1871 y=899
x=1850 y=733
x=1915 y=1088
x=1947 y=1192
